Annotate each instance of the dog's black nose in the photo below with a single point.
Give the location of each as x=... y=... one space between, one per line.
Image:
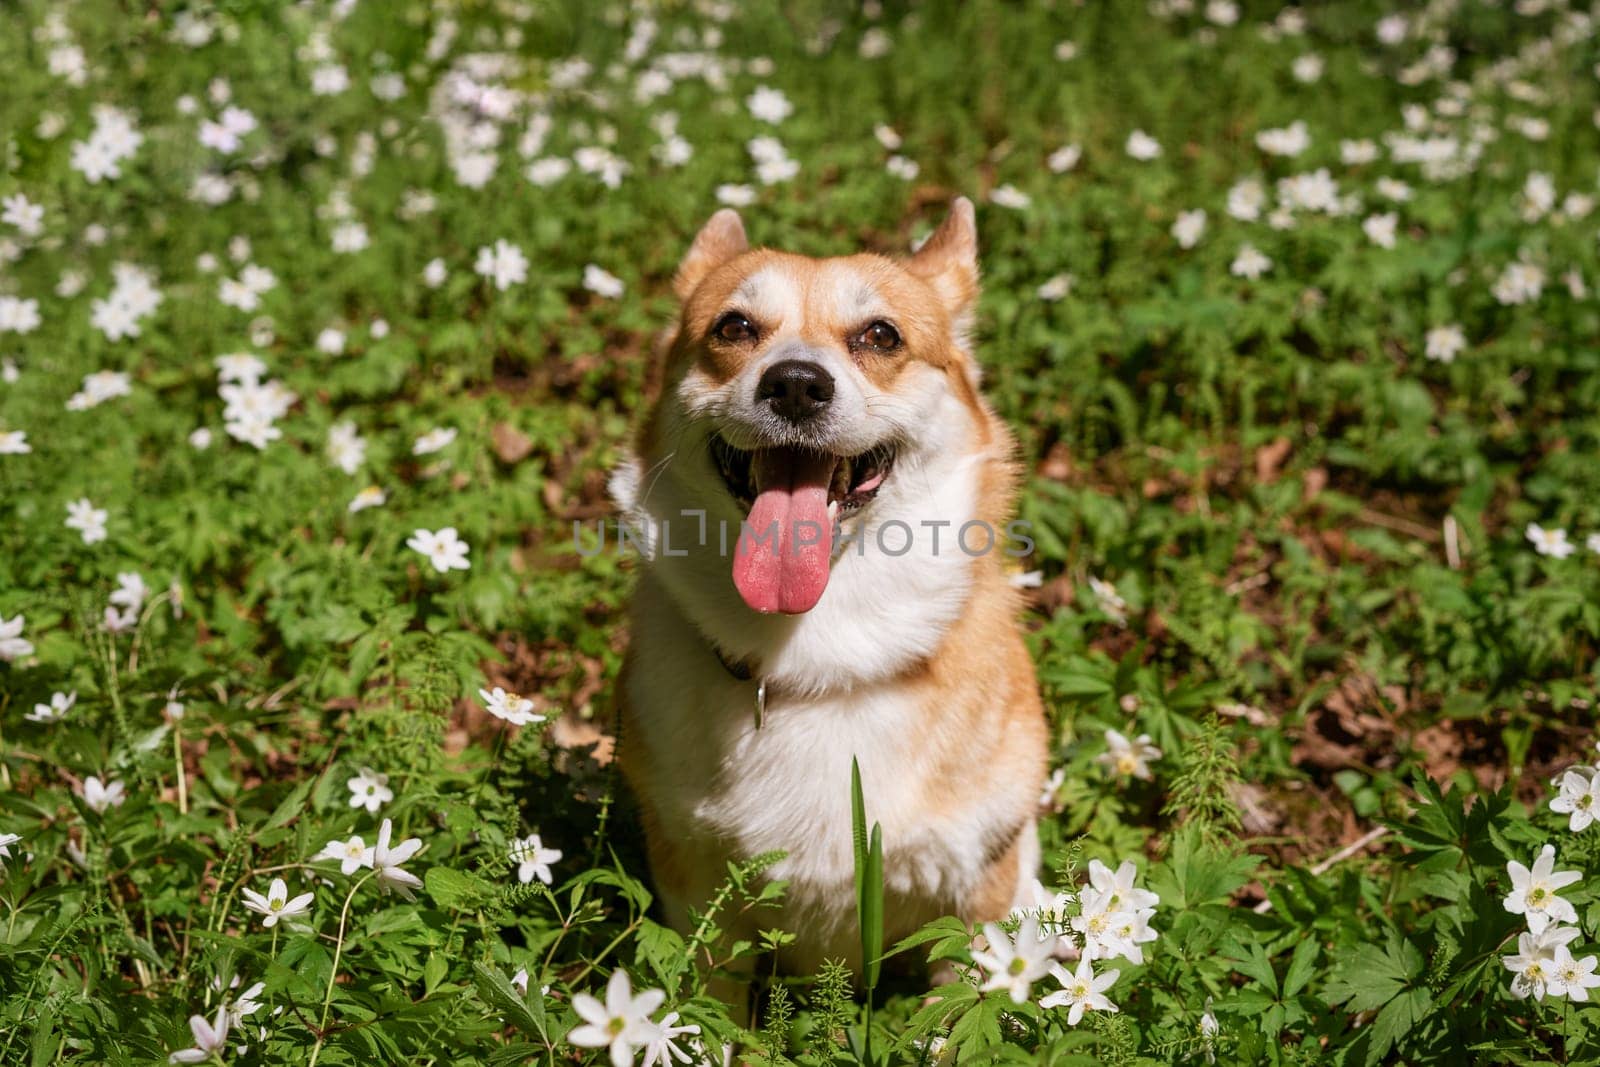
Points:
x=797 y=390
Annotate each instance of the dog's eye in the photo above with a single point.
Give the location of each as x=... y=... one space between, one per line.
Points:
x=881 y=336
x=735 y=328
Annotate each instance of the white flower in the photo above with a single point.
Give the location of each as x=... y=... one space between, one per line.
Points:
x=253 y=429
x=503 y=263
x=1188 y=227
x=621 y=1024
x=875 y=44
x=1533 y=892
x=246 y=1005
x=1313 y=191
x=1393 y=189
x=113 y=139
x=18 y=315
x=1538 y=196
x=350 y=237
x=1288 y=140
x=517 y=710
x=1064 y=158
x=1520 y=283
x=1444 y=343
x=769 y=105
x=1221 y=13
x=352 y=854
x=434 y=274
x=330 y=341
x=210 y=1038
x=1392 y=29
x=901 y=167
x=1572 y=978
x=444 y=549
x=1118 y=887
x=1550 y=542
x=60 y=704
x=1109 y=601
x=1082 y=989
x=1593 y=542
x=1009 y=196
x=548 y=170
x=98 y=796
x=1049 y=796
x=386 y=861
x=736 y=195
x=434 y=440
x=1533 y=965
x=533 y=860
x=239 y=367
x=602 y=283
x=1246 y=200
x=1127 y=757
x=1054 y=288
x=330 y=79
x=346 y=447
x=87 y=519
x=6 y=841
x=1129 y=930
x=276 y=904
x=662 y=1050
x=1307 y=68
x=1014 y=965
x=1380 y=229
x=1356 y=153
x=12 y=645
x=14 y=443
x=1049 y=907
x=22 y=213
x=1579 y=798
x=370 y=790
x=777 y=169
x=131 y=591
x=372 y=496
x=1249 y=263
x=1142 y=146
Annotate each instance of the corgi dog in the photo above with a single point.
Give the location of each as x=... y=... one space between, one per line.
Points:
x=822 y=500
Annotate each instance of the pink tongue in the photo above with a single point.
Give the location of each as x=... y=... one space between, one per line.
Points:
x=781 y=561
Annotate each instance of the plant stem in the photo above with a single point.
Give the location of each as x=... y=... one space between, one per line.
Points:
x=177 y=759
x=333 y=973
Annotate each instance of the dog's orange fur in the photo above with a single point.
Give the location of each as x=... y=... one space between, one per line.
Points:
x=970 y=765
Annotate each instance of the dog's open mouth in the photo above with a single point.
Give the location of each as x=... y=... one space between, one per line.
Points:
x=852 y=485
x=792 y=498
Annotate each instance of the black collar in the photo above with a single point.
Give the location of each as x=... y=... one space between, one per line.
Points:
x=739 y=669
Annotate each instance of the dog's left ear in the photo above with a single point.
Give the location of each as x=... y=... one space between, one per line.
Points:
x=719 y=240
x=948 y=261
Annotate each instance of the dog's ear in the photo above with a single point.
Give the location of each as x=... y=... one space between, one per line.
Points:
x=719 y=240
x=948 y=261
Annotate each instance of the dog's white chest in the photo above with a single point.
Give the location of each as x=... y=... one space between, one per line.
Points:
x=785 y=786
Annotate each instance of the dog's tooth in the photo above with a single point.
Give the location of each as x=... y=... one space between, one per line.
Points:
x=833 y=512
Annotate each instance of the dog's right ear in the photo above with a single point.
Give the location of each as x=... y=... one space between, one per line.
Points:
x=719 y=240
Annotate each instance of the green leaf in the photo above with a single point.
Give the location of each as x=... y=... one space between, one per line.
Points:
x=455 y=890
x=1367 y=977
x=290 y=806
x=498 y=992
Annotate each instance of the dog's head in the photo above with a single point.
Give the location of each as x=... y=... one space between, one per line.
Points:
x=800 y=391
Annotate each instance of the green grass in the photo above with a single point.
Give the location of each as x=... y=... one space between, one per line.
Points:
x=1335 y=621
